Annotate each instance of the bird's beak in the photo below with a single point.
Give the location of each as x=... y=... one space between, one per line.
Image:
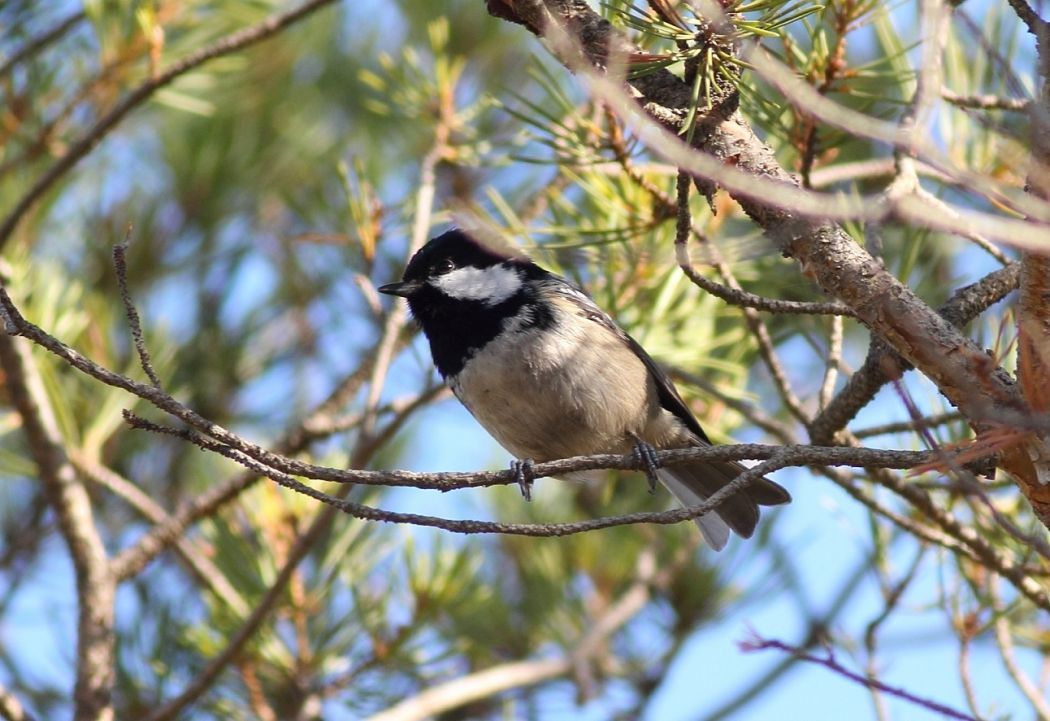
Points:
x=404 y=289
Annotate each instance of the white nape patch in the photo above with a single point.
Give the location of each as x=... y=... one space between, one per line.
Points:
x=491 y=285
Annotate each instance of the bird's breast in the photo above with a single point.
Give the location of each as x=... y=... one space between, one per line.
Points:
x=558 y=392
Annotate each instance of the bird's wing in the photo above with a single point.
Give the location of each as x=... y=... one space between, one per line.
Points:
x=665 y=390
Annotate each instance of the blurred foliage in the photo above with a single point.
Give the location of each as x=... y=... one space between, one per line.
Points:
x=267 y=191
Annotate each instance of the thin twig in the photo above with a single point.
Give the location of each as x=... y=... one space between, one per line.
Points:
x=815 y=633
x=910 y=525
x=200 y=565
x=988 y=555
x=41 y=41
x=745 y=299
x=132 y=560
x=472 y=526
x=986 y=507
x=985 y=102
x=757 y=643
x=734 y=295
x=759 y=331
x=447 y=481
x=120 y=264
x=831 y=369
x=909 y=426
x=1004 y=641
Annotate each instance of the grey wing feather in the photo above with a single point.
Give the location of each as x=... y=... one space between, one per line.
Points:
x=693 y=482
x=665 y=390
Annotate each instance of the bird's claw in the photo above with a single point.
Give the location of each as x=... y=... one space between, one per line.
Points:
x=645 y=455
x=523 y=476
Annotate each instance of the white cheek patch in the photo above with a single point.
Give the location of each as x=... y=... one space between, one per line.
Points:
x=491 y=285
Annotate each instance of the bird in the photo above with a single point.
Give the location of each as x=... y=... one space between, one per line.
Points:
x=550 y=375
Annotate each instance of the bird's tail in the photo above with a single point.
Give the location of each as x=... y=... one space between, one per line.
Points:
x=693 y=483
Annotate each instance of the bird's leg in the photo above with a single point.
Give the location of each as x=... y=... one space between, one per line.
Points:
x=645 y=454
x=523 y=476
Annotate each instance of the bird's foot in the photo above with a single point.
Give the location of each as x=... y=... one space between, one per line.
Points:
x=645 y=454
x=523 y=476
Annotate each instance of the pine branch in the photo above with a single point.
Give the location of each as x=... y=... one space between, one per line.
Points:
x=96 y=588
x=79 y=149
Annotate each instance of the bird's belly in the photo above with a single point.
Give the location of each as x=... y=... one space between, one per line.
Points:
x=554 y=395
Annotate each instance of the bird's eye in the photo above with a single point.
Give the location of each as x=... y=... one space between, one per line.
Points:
x=444 y=266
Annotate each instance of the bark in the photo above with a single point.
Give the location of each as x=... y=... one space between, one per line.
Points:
x=96 y=587
x=1029 y=462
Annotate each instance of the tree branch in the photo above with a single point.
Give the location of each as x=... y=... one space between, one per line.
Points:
x=882 y=363
x=1029 y=461
x=41 y=41
x=132 y=560
x=96 y=588
x=985 y=102
x=207 y=573
x=78 y=150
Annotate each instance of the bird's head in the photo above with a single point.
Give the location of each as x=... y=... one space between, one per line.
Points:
x=463 y=292
x=457 y=272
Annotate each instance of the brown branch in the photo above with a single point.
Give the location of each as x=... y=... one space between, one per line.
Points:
x=1029 y=461
x=776 y=461
x=882 y=363
x=794 y=455
x=79 y=150
x=120 y=264
x=41 y=41
x=96 y=588
x=763 y=339
x=985 y=102
x=206 y=572
x=132 y=560
x=1028 y=15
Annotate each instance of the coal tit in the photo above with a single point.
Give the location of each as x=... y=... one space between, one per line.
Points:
x=549 y=375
